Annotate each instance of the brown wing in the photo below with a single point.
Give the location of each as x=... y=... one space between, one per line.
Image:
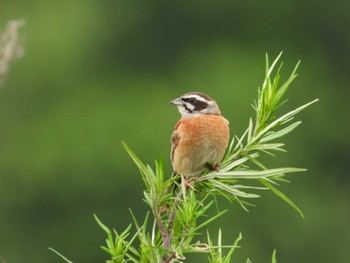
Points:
x=175 y=138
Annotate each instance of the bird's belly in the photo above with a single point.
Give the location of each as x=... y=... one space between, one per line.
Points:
x=202 y=140
x=197 y=158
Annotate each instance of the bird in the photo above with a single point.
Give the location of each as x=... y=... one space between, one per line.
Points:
x=200 y=137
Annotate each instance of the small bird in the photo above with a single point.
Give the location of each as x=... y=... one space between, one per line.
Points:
x=200 y=137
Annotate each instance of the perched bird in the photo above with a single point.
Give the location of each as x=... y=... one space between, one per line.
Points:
x=200 y=137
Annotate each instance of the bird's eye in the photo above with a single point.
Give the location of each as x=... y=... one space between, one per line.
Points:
x=192 y=100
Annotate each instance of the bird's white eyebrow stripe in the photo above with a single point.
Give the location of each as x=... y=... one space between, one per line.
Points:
x=197 y=97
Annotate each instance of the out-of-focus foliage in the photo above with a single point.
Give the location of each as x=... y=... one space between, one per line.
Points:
x=97 y=72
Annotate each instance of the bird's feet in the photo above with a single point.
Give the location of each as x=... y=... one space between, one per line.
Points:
x=188 y=184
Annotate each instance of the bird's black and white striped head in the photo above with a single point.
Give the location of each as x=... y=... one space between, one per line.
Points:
x=196 y=103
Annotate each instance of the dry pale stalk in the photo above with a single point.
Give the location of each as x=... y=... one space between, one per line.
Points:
x=10 y=46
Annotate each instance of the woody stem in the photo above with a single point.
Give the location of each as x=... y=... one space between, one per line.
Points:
x=168 y=234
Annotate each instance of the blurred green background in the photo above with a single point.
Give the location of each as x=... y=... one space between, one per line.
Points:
x=98 y=72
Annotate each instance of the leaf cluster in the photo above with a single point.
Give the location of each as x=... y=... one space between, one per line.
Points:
x=259 y=138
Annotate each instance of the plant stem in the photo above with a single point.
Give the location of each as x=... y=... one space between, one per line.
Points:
x=170 y=258
x=168 y=234
x=159 y=223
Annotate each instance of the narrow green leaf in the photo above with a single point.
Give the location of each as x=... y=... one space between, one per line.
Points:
x=125 y=233
x=60 y=255
x=252 y=174
x=134 y=157
x=151 y=173
x=267 y=146
x=134 y=219
x=232 y=190
x=282 y=196
x=219 y=242
x=239 y=186
x=234 y=246
x=107 y=250
x=250 y=130
x=132 y=239
x=111 y=247
x=281 y=132
x=210 y=220
x=281 y=91
x=238 y=162
x=230 y=148
x=282 y=119
x=105 y=228
x=273 y=64
x=147 y=173
x=159 y=172
x=240 y=140
x=133 y=259
x=267 y=66
x=274 y=260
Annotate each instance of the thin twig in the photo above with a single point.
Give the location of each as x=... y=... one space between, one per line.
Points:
x=168 y=233
x=170 y=258
x=159 y=223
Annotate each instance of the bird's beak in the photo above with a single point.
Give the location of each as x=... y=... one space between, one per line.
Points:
x=176 y=102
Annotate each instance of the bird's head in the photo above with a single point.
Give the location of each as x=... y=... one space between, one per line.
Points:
x=196 y=103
